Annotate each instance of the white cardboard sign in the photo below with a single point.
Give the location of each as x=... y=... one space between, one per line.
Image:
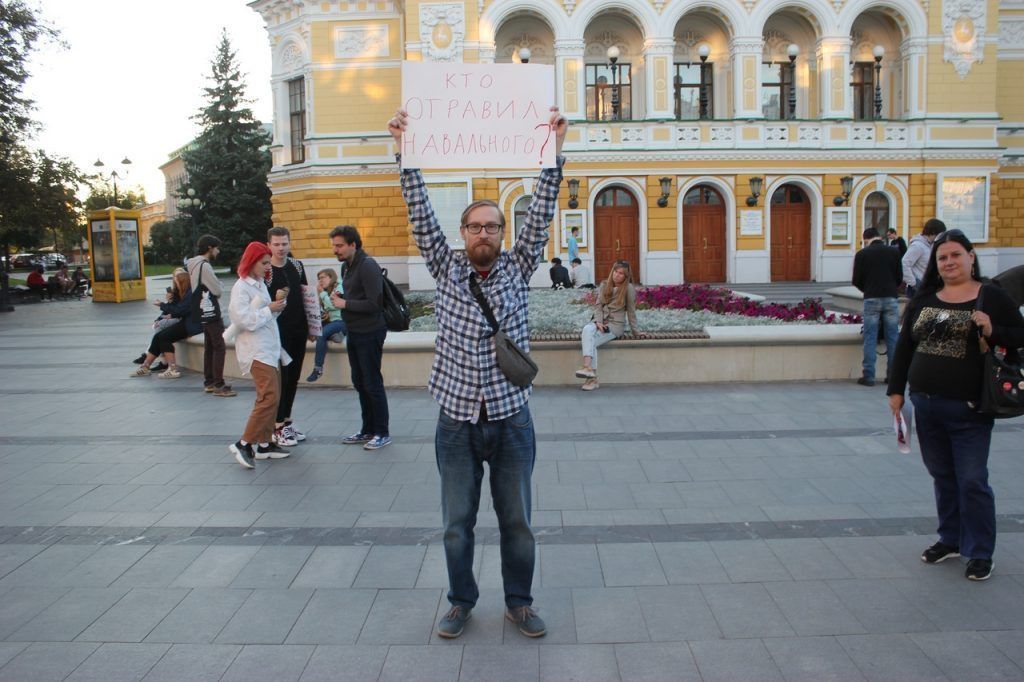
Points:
x=478 y=115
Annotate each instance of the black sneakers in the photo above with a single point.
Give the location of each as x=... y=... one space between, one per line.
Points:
x=979 y=569
x=866 y=381
x=938 y=553
x=243 y=454
x=453 y=623
x=271 y=451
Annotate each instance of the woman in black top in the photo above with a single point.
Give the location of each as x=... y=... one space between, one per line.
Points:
x=938 y=352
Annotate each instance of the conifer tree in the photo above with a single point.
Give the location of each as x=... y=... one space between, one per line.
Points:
x=228 y=164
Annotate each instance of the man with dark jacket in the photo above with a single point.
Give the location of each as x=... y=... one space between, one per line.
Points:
x=893 y=239
x=877 y=273
x=286 y=281
x=560 y=278
x=362 y=308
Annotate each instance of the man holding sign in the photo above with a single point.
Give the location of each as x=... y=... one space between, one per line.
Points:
x=484 y=416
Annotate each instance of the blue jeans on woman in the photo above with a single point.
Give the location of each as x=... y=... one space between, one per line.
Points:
x=509 y=447
x=329 y=330
x=954 y=446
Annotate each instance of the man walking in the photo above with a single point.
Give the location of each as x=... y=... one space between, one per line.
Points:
x=574 y=244
x=876 y=272
x=362 y=308
x=288 y=276
x=200 y=272
x=915 y=260
x=484 y=416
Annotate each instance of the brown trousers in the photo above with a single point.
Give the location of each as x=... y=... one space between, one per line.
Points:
x=260 y=426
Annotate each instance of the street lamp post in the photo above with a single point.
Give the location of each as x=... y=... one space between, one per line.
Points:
x=793 y=50
x=125 y=162
x=613 y=57
x=703 y=51
x=878 y=52
x=189 y=202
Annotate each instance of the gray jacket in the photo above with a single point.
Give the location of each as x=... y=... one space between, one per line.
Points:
x=915 y=260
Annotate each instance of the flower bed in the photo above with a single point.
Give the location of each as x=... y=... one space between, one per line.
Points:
x=661 y=309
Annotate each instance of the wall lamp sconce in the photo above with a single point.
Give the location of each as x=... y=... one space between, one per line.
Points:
x=524 y=55
x=574 y=192
x=847 y=183
x=666 y=187
x=756 y=183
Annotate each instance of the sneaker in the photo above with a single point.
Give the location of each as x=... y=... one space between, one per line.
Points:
x=979 y=569
x=453 y=623
x=282 y=439
x=224 y=391
x=159 y=366
x=590 y=385
x=315 y=374
x=586 y=373
x=356 y=438
x=293 y=432
x=171 y=373
x=142 y=371
x=209 y=388
x=377 y=442
x=139 y=360
x=865 y=381
x=527 y=620
x=271 y=451
x=938 y=553
x=243 y=454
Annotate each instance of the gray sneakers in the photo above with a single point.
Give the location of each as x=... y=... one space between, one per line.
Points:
x=527 y=620
x=453 y=623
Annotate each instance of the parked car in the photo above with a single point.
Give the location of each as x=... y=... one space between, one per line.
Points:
x=53 y=261
x=25 y=260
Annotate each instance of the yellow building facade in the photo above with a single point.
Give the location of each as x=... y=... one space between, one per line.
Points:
x=727 y=141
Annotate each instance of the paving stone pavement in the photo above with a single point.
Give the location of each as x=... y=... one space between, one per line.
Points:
x=719 y=532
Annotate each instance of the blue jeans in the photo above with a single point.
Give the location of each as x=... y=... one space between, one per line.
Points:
x=509 y=447
x=329 y=330
x=885 y=313
x=365 y=351
x=954 y=446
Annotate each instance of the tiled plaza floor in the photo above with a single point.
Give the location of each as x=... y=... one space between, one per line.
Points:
x=722 y=532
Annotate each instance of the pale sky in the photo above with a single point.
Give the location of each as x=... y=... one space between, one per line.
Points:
x=132 y=77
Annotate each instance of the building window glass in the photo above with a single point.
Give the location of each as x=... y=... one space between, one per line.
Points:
x=448 y=200
x=519 y=214
x=688 y=80
x=600 y=86
x=614 y=197
x=876 y=212
x=775 y=80
x=702 y=194
x=864 y=91
x=964 y=200
x=297 y=118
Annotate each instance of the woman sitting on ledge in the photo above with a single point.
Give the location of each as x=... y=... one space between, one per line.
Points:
x=616 y=301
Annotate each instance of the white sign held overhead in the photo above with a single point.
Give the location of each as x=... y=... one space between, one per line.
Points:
x=478 y=115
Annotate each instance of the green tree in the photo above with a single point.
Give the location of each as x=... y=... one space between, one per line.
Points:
x=228 y=165
x=57 y=208
x=168 y=240
x=20 y=32
x=101 y=195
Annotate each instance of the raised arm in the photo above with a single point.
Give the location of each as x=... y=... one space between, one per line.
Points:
x=426 y=230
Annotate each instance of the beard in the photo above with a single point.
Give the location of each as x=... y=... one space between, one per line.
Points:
x=483 y=255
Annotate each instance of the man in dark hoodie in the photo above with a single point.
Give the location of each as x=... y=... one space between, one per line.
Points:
x=362 y=308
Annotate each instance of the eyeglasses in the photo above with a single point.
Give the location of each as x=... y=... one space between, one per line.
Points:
x=474 y=228
x=949 y=234
x=621 y=264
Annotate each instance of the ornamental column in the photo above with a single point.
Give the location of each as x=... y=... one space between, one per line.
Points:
x=658 y=53
x=833 y=54
x=914 y=52
x=571 y=78
x=746 y=54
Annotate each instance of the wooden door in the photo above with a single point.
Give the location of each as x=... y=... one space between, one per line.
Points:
x=616 y=232
x=704 y=243
x=791 y=235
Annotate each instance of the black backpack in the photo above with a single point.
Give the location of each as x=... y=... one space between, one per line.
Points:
x=396 y=312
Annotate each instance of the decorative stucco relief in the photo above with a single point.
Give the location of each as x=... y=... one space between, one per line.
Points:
x=292 y=58
x=442 y=30
x=1011 y=35
x=539 y=50
x=351 y=42
x=598 y=46
x=963 y=29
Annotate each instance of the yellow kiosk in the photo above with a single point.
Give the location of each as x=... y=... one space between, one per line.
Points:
x=116 y=254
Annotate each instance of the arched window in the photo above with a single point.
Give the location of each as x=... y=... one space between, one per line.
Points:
x=702 y=194
x=519 y=214
x=876 y=212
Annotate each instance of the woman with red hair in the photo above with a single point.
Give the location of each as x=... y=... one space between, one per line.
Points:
x=258 y=348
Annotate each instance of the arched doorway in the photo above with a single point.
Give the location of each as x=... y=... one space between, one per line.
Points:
x=791 y=235
x=704 y=247
x=616 y=231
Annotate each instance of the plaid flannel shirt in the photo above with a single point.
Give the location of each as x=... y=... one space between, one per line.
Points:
x=465 y=371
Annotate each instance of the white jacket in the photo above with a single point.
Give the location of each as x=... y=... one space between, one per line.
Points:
x=255 y=325
x=915 y=260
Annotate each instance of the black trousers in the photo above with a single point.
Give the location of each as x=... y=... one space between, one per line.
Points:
x=295 y=346
x=163 y=340
x=365 y=351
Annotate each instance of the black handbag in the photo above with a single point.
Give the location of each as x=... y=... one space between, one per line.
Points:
x=514 y=362
x=1002 y=382
x=205 y=306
